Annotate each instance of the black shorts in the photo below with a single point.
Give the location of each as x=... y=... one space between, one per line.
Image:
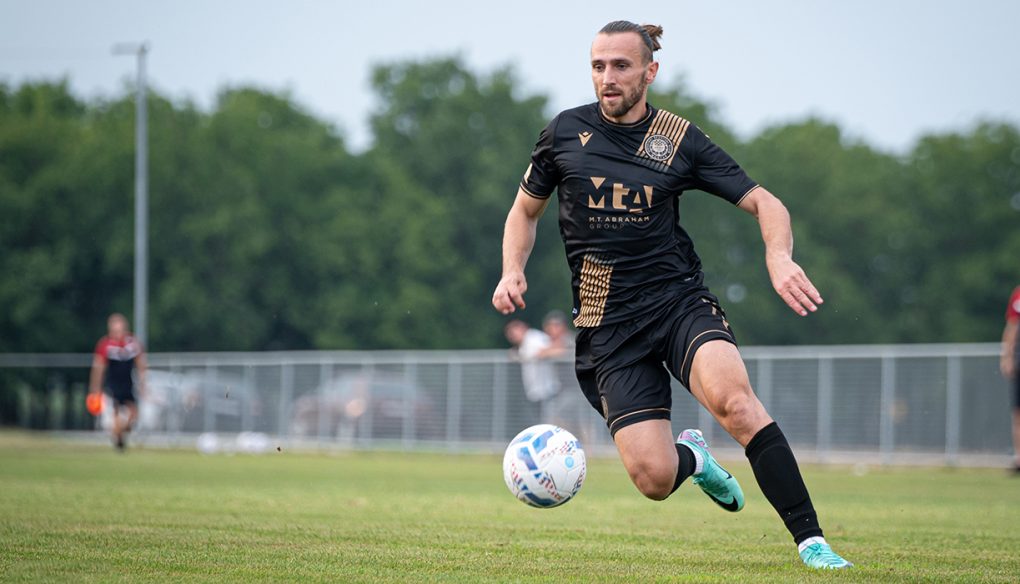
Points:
x=624 y=368
x=122 y=395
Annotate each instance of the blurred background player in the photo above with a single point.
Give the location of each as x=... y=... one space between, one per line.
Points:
x=1009 y=364
x=116 y=357
x=537 y=373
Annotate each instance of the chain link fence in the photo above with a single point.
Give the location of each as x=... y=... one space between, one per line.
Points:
x=935 y=404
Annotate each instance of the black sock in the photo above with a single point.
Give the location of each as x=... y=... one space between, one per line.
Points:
x=685 y=466
x=777 y=473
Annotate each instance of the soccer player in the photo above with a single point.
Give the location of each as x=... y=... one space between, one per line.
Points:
x=1009 y=363
x=619 y=166
x=116 y=356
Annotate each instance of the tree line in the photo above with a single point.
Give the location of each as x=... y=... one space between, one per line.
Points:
x=268 y=232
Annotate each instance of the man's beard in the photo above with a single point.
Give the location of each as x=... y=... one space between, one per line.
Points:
x=627 y=101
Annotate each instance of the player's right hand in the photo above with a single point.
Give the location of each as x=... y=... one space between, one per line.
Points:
x=793 y=285
x=509 y=294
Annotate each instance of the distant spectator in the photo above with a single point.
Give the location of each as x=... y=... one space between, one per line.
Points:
x=538 y=375
x=568 y=408
x=1009 y=364
x=117 y=355
x=561 y=340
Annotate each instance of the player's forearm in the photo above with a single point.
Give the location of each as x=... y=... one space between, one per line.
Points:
x=776 y=231
x=95 y=378
x=1009 y=339
x=518 y=240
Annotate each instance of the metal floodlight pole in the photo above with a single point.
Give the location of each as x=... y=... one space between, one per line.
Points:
x=141 y=190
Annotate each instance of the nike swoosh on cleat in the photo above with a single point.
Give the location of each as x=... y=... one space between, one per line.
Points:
x=730 y=506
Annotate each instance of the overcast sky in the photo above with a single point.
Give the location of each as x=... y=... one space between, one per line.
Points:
x=886 y=71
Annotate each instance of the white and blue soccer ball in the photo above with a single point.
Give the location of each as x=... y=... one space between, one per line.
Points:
x=544 y=466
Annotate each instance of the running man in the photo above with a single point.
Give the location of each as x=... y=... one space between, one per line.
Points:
x=619 y=166
x=1009 y=364
x=116 y=355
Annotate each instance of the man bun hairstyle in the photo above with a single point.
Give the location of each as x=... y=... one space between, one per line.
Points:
x=649 y=33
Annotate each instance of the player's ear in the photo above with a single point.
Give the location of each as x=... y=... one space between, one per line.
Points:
x=653 y=69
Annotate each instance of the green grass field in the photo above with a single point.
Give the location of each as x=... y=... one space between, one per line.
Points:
x=77 y=513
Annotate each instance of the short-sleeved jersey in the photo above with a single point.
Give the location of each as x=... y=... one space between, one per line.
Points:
x=619 y=189
x=119 y=357
x=1013 y=308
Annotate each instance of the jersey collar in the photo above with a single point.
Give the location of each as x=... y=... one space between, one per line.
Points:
x=648 y=115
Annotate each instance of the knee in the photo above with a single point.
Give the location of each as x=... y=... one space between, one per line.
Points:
x=740 y=411
x=654 y=481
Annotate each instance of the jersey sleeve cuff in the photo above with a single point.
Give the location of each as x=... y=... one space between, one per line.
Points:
x=744 y=196
x=531 y=194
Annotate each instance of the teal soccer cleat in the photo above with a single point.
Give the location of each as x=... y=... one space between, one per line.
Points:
x=817 y=554
x=714 y=480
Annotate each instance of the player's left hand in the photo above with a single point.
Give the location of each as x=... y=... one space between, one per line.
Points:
x=793 y=286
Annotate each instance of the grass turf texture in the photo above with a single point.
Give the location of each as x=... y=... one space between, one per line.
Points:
x=78 y=513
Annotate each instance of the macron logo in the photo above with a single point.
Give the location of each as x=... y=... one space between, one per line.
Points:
x=584 y=136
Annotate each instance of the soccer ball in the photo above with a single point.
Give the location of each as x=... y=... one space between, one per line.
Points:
x=544 y=466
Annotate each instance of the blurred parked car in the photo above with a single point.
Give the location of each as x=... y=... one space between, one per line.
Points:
x=367 y=406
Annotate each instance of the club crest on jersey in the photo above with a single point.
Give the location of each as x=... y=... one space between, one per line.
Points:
x=658 y=147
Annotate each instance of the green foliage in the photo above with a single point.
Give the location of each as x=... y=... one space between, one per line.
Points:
x=60 y=183
x=465 y=141
x=852 y=219
x=968 y=242
x=267 y=233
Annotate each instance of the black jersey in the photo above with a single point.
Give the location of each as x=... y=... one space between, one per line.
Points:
x=619 y=190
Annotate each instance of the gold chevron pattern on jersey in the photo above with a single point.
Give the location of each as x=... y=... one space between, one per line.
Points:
x=666 y=128
x=596 y=275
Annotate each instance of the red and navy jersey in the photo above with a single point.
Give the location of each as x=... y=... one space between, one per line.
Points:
x=119 y=357
x=1013 y=308
x=619 y=188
